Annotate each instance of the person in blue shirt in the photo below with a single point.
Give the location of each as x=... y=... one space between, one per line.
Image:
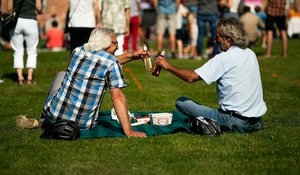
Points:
x=262 y=16
x=79 y=93
x=236 y=73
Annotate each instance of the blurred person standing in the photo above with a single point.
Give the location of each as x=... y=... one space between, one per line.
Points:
x=147 y=20
x=262 y=16
x=181 y=29
x=116 y=15
x=26 y=30
x=208 y=12
x=193 y=28
x=84 y=16
x=166 y=18
x=230 y=8
x=133 y=25
x=275 y=10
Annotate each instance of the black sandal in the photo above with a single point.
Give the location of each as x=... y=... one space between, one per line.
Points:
x=29 y=82
x=21 y=82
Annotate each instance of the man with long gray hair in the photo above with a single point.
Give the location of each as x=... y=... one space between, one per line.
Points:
x=75 y=97
x=236 y=73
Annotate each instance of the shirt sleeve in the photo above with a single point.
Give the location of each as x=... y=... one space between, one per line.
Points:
x=115 y=76
x=127 y=4
x=211 y=71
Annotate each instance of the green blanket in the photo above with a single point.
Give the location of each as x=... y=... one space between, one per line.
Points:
x=107 y=127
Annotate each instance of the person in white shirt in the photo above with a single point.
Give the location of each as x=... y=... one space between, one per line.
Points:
x=84 y=16
x=230 y=8
x=182 y=12
x=236 y=73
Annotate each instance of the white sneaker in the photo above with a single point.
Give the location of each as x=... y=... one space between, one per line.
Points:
x=198 y=58
x=26 y=123
x=1 y=81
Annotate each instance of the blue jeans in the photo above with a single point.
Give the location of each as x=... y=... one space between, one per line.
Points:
x=226 y=122
x=56 y=84
x=201 y=21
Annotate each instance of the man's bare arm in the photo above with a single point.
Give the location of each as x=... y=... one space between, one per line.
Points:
x=120 y=105
x=186 y=75
x=130 y=56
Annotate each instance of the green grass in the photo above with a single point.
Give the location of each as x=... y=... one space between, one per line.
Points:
x=273 y=150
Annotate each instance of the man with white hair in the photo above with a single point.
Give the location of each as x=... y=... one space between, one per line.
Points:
x=78 y=96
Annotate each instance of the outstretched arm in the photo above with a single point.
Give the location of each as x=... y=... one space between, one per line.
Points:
x=120 y=105
x=135 y=55
x=186 y=75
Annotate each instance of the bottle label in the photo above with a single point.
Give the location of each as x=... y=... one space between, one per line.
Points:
x=157 y=68
x=156 y=71
x=147 y=61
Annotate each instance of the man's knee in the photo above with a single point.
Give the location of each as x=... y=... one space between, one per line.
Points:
x=180 y=101
x=56 y=83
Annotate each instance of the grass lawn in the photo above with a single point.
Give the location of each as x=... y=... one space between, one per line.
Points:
x=272 y=150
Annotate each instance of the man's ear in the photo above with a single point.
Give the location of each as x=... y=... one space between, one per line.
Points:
x=105 y=49
x=228 y=41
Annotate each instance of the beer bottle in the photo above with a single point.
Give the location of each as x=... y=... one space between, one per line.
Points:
x=157 y=68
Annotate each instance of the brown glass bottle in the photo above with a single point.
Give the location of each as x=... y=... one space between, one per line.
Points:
x=157 y=68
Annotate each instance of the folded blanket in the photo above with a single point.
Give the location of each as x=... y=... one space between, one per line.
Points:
x=107 y=127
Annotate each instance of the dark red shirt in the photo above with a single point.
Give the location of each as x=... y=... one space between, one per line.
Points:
x=276 y=8
x=55 y=38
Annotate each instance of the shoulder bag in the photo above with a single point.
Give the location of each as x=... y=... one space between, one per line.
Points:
x=10 y=20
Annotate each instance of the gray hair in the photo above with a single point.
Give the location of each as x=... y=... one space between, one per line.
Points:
x=234 y=30
x=100 y=39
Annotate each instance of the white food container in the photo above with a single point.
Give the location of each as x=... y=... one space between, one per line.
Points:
x=161 y=119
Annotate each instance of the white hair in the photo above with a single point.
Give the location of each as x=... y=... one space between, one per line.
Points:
x=100 y=39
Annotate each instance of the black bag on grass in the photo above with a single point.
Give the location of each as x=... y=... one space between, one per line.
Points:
x=62 y=130
x=205 y=126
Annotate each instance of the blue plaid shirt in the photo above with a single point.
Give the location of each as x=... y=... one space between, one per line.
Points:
x=81 y=94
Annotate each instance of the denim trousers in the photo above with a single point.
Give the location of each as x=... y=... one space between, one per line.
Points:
x=226 y=122
x=55 y=85
x=202 y=20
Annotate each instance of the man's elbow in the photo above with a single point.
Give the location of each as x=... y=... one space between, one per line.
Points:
x=117 y=95
x=192 y=79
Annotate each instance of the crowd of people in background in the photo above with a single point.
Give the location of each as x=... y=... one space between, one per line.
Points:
x=191 y=20
x=185 y=28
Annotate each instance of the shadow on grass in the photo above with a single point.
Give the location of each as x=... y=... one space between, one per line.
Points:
x=12 y=76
